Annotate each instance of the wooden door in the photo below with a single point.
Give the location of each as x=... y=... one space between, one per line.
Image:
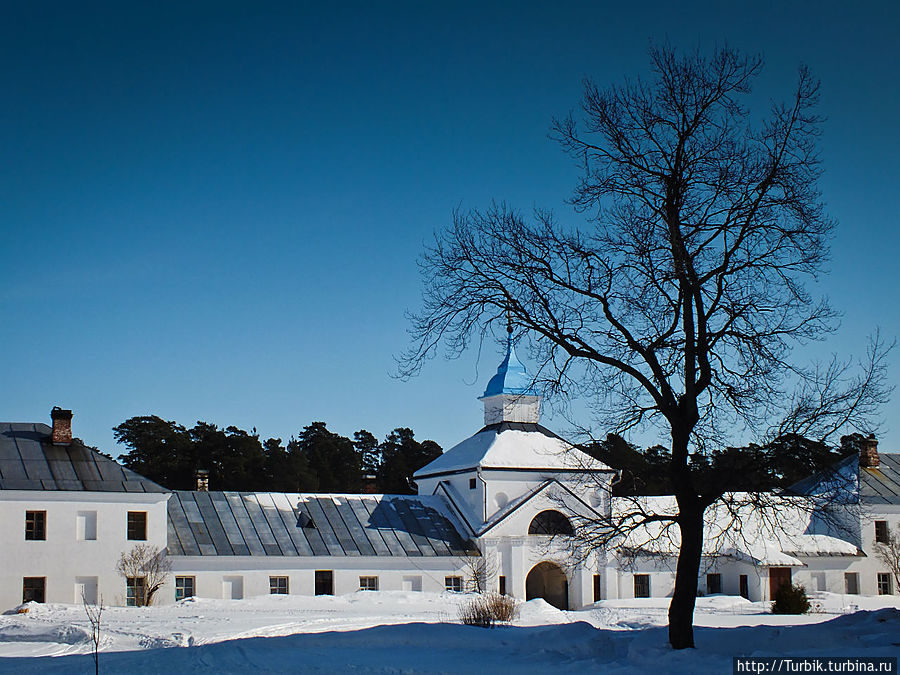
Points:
x=778 y=576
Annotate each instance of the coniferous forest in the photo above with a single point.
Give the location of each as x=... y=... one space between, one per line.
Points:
x=320 y=460
x=317 y=460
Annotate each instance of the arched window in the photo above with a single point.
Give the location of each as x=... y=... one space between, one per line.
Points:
x=550 y=522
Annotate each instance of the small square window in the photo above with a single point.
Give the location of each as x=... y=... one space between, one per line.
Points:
x=137 y=526
x=184 y=588
x=34 y=589
x=885 y=587
x=368 y=583
x=881 y=532
x=851 y=583
x=453 y=584
x=135 y=591
x=278 y=585
x=35 y=525
x=642 y=585
x=472 y=483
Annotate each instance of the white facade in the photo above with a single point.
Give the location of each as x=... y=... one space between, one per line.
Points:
x=510 y=490
x=85 y=535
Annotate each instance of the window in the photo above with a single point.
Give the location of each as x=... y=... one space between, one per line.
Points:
x=820 y=579
x=851 y=583
x=502 y=585
x=135 y=591
x=35 y=526
x=324 y=582
x=881 y=532
x=233 y=587
x=713 y=584
x=86 y=590
x=368 y=583
x=184 y=588
x=884 y=584
x=472 y=483
x=137 y=526
x=33 y=589
x=278 y=585
x=598 y=587
x=550 y=522
x=642 y=585
x=86 y=526
x=453 y=584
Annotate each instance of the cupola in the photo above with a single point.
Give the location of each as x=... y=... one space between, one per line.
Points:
x=510 y=395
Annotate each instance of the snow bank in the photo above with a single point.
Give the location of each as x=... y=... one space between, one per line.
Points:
x=391 y=632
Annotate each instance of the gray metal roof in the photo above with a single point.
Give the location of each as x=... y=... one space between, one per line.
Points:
x=28 y=461
x=290 y=524
x=881 y=485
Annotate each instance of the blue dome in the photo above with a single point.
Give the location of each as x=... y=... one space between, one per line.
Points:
x=511 y=377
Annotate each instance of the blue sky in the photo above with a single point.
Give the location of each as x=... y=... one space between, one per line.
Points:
x=213 y=211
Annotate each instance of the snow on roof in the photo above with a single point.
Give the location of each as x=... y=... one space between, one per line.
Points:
x=512 y=445
x=766 y=530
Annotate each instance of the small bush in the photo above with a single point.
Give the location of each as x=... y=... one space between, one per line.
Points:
x=790 y=599
x=487 y=610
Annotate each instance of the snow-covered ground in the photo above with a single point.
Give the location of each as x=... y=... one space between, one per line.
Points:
x=396 y=632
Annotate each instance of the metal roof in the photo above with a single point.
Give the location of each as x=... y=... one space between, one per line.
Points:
x=29 y=461
x=881 y=485
x=291 y=524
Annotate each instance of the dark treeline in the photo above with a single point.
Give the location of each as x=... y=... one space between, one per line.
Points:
x=774 y=466
x=318 y=460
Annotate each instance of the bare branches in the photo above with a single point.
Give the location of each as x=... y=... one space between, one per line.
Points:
x=680 y=299
x=147 y=567
x=888 y=552
x=840 y=394
x=95 y=615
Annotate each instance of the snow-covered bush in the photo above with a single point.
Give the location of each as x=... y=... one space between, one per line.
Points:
x=487 y=610
x=790 y=599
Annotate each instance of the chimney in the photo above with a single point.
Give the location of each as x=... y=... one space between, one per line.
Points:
x=62 y=426
x=868 y=452
x=369 y=484
x=202 y=480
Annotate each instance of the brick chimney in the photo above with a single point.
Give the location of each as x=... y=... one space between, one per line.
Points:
x=369 y=484
x=202 y=480
x=62 y=426
x=868 y=453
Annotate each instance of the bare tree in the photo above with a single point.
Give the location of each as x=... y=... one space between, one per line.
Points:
x=94 y=615
x=889 y=553
x=478 y=571
x=677 y=302
x=148 y=564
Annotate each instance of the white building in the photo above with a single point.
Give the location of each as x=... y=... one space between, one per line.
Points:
x=493 y=511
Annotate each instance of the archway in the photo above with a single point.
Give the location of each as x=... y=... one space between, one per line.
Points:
x=548 y=581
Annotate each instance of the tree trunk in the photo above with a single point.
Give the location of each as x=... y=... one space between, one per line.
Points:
x=681 y=609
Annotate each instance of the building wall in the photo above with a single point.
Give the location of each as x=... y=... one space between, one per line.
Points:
x=63 y=557
x=869 y=566
x=394 y=573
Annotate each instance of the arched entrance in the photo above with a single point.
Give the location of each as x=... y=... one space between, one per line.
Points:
x=548 y=581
